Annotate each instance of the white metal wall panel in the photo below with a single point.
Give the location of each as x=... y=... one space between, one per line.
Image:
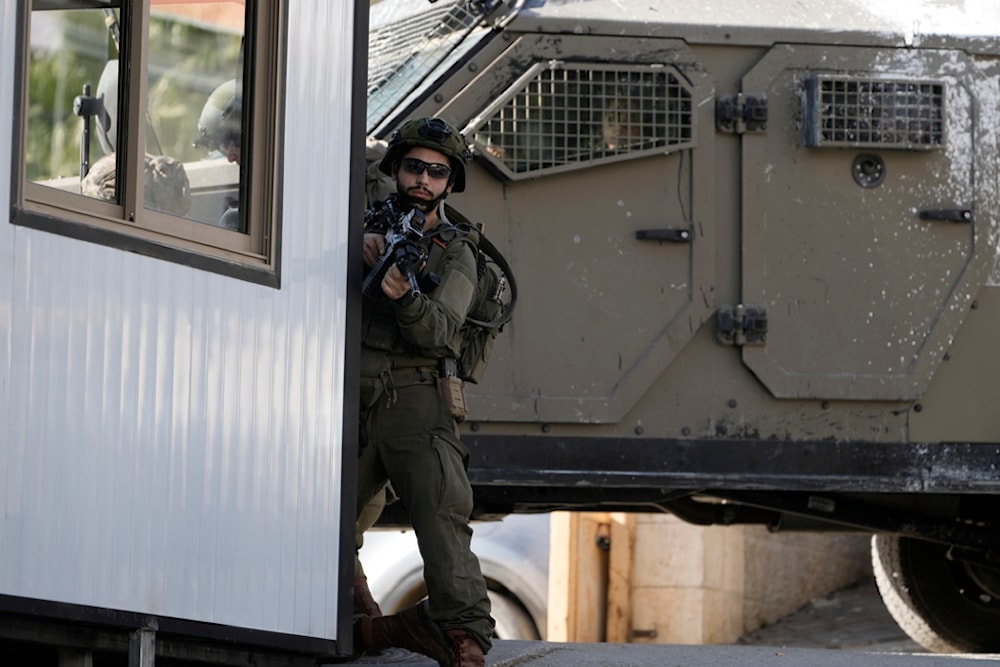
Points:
x=171 y=438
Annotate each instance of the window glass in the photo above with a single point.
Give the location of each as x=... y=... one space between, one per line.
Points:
x=195 y=110
x=138 y=121
x=409 y=39
x=72 y=75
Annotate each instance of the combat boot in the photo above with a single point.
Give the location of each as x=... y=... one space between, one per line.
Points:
x=414 y=630
x=364 y=602
x=466 y=650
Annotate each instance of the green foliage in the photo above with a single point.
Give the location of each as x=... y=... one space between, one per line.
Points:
x=50 y=119
x=56 y=76
x=189 y=63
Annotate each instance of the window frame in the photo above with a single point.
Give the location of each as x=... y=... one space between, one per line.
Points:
x=253 y=256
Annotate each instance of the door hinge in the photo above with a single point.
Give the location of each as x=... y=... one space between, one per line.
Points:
x=741 y=113
x=741 y=325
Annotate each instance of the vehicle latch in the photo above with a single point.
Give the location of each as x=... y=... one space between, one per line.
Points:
x=948 y=215
x=741 y=113
x=667 y=234
x=741 y=325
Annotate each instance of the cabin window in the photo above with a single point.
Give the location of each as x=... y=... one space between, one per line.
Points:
x=152 y=125
x=564 y=115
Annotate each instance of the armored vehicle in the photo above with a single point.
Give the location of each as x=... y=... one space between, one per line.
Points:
x=756 y=245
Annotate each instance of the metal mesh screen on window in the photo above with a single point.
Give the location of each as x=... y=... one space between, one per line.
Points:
x=564 y=117
x=875 y=112
x=405 y=45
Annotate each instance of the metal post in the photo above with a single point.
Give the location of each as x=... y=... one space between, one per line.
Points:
x=142 y=648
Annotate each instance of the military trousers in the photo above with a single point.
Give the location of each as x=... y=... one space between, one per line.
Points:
x=412 y=441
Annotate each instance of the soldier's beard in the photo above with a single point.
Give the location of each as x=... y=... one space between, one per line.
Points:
x=422 y=205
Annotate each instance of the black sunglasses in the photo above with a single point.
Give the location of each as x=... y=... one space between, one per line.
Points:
x=416 y=167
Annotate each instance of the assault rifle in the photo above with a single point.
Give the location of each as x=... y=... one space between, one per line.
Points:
x=403 y=233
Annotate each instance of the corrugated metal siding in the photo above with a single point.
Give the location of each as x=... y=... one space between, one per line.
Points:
x=171 y=437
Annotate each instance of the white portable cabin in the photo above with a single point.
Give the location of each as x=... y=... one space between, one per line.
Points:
x=176 y=436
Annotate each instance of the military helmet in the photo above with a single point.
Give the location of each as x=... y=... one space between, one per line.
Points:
x=221 y=117
x=430 y=133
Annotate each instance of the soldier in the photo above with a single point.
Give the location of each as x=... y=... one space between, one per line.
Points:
x=409 y=430
x=220 y=127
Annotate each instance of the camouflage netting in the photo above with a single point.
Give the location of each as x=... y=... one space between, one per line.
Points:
x=167 y=187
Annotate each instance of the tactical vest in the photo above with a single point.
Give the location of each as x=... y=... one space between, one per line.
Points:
x=379 y=328
x=491 y=309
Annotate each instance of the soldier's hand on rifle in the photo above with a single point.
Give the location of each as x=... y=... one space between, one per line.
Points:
x=395 y=284
x=374 y=248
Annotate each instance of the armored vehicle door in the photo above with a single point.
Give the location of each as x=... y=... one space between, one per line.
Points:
x=599 y=148
x=863 y=244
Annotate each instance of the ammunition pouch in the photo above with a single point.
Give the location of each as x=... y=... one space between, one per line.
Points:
x=452 y=390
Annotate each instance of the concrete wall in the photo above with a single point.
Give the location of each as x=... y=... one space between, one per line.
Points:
x=651 y=578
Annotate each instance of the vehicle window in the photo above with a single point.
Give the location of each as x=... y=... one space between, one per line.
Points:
x=409 y=39
x=561 y=116
x=144 y=126
x=881 y=113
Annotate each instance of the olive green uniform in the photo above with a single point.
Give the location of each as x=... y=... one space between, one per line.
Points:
x=411 y=439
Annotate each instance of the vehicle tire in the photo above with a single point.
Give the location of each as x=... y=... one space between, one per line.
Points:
x=513 y=621
x=945 y=605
